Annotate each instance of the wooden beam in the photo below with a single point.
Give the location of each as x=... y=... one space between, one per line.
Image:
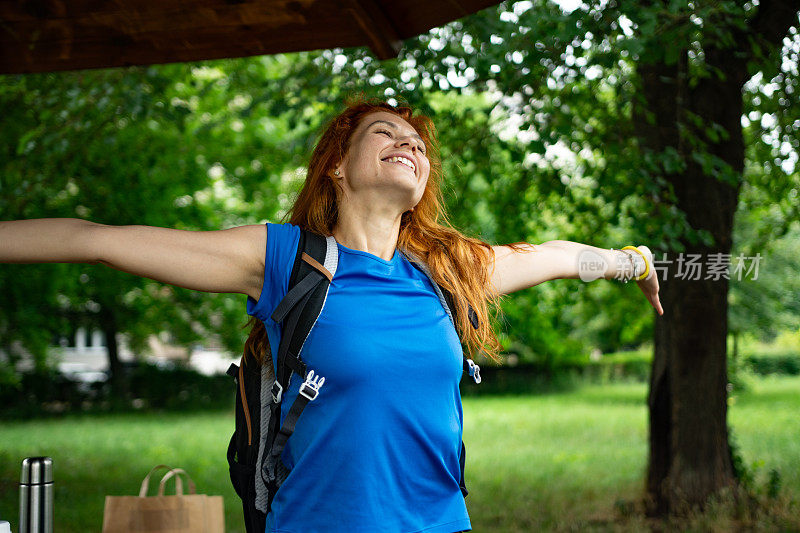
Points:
x=54 y=35
x=377 y=28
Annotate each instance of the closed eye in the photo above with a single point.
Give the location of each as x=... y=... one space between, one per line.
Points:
x=421 y=146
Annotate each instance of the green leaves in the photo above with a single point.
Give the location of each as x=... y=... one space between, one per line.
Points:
x=128 y=146
x=543 y=129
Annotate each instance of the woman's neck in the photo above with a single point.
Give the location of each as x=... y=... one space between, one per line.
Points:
x=376 y=235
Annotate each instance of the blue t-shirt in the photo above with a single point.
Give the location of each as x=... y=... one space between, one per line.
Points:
x=378 y=450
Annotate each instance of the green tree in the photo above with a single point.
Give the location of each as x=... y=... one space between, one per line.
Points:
x=770 y=304
x=649 y=97
x=628 y=127
x=129 y=146
x=672 y=136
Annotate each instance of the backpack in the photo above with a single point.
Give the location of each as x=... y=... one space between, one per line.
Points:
x=254 y=451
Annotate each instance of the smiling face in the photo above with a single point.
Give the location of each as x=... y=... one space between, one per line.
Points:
x=385 y=162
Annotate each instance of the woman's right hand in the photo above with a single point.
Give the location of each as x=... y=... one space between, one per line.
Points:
x=230 y=260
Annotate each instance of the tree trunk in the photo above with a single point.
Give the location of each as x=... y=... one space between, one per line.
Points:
x=690 y=458
x=118 y=378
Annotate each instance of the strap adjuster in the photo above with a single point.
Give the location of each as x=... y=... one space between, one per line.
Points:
x=277 y=392
x=310 y=387
x=474 y=370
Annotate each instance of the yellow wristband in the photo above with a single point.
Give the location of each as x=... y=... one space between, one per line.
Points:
x=646 y=263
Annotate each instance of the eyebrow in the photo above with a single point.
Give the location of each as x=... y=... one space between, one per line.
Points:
x=395 y=126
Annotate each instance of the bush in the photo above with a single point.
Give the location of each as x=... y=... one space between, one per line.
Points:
x=535 y=378
x=634 y=365
x=40 y=392
x=528 y=378
x=179 y=389
x=788 y=363
x=49 y=393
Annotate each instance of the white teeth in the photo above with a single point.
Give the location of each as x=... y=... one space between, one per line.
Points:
x=402 y=160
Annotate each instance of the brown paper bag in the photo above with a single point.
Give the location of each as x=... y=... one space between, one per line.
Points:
x=190 y=513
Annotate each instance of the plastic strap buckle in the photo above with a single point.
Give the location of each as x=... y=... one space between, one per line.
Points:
x=474 y=370
x=312 y=384
x=277 y=392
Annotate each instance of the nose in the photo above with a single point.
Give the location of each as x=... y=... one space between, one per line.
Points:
x=408 y=142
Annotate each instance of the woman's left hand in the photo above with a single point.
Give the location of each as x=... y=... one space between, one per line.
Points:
x=649 y=285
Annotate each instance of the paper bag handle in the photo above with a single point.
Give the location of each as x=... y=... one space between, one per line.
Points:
x=146 y=482
x=178 y=484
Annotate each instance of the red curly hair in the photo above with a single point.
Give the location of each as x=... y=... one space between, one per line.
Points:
x=458 y=263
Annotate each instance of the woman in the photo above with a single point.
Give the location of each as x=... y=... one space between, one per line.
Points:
x=379 y=450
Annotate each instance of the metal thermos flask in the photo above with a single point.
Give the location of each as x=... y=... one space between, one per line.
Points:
x=36 y=495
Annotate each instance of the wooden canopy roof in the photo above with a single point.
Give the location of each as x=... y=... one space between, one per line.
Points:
x=50 y=35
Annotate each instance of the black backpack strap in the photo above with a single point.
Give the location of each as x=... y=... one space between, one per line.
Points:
x=298 y=311
x=314 y=267
x=472 y=369
x=448 y=297
x=448 y=303
x=308 y=392
x=462 y=460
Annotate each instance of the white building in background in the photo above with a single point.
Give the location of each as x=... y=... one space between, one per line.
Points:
x=85 y=354
x=86 y=349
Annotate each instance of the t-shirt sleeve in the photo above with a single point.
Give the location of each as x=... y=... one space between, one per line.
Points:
x=282 y=241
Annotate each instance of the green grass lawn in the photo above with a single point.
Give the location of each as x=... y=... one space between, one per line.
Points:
x=567 y=461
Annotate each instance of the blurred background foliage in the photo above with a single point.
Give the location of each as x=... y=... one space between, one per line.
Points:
x=533 y=106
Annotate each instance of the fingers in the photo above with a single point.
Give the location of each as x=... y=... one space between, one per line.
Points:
x=657 y=304
x=651 y=292
x=650 y=285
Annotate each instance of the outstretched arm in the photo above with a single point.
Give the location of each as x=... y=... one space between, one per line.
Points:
x=533 y=264
x=230 y=260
